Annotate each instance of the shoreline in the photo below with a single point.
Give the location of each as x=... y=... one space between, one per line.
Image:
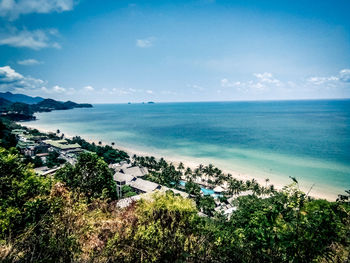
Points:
x=187 y=161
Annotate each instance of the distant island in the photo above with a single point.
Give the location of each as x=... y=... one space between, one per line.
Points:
x=20 y=107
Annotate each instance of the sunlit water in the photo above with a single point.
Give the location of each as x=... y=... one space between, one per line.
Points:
x=306 y=139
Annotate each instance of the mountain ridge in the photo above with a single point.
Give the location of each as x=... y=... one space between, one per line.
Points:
x=17 y=97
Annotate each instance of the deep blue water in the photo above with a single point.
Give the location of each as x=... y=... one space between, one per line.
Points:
x=276 y=139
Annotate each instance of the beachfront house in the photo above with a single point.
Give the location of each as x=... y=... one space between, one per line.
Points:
x=141 y=186
x=117 y=167
x=135 y=171
x=137 y=184
x=122 y=179
x=63 y=146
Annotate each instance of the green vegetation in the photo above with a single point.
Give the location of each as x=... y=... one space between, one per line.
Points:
x=160 y=171
x=90 y=175
x=53 y=159
x=72 y=217
x=7 y=139
x=109 y=154
x=127 y=191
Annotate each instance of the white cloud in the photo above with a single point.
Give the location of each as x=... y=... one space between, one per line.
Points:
x=322 y=80
x=267 y=78
x=13 y=9
x=225 y=83
x=58 y=89
x=266 y=83
x=29 y=62
x=88 y=88
x=10 y=80
x=344 y=75
x=9 y=75
x=145 y=43
x=149 y=91
x=262 y=82
x=36 y=39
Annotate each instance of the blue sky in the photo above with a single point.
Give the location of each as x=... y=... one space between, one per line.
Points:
x=121 y=51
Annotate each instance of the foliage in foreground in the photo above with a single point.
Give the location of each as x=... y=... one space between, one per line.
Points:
x=44 y=220
x=90 y=175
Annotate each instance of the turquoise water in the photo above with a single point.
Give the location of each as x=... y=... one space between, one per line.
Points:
x=306 y=139
x=205 y=191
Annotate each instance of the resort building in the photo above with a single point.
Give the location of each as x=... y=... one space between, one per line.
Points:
x=139 y=185
x=135 y=171
x=143 y=186
x=63 y=146
x=122 y=179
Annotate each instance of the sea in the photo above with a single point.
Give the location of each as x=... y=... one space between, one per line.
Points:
x=275 y=140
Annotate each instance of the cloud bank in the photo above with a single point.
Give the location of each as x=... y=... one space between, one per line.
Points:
x=29 y=62
x=12 y=9
x=37 y=39
x=264 y=82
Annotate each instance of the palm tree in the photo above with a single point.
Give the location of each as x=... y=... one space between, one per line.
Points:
x=267 y=180
x=181 y=167
x=248 y=184
x=235 y=186
x=112 y=143
x=99 y=143
x=272 y=189
x=209 y=171
x=200 y=167
x=58 y=131
x=188 y=172
x=256 y=189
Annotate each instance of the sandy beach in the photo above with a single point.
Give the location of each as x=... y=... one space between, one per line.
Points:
x=188 y=162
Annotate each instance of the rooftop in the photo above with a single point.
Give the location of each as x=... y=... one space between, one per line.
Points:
x=120 y=177
x=218 y=189
x=62 y=144
x=135 y=171
x=144 y=185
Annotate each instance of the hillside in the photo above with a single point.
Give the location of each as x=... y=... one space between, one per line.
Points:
x=24 y=111
x=50 y=104
x=4 y=104
x=20 y=98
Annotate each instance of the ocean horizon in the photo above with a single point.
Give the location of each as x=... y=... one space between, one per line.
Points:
x=306 y=139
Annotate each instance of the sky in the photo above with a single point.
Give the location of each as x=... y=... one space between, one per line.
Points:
x=119 y=51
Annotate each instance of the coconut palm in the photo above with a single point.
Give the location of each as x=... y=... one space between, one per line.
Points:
x=256 y=189
x=235 y=186
x=188 y=173
x=248 y=184
x=180 y=167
